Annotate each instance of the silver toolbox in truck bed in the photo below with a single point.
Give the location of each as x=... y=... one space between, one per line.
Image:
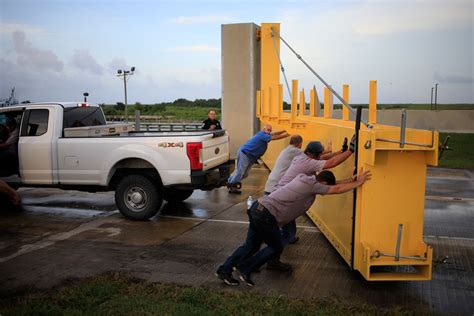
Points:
x=96 y=131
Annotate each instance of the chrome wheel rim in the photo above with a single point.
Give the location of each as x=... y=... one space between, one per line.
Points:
x=136 y=199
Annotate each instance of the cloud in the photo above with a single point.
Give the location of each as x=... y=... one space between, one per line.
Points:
x=32 y=57
x=453 y=79
x=201 y=19
x=194 y=49
x=83 y=60
x=118 y=63
x=375 y=18
x=25 y=28
x=371 y=17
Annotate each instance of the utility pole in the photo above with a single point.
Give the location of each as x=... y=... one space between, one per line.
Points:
x=436 y=94
x=125 y=74
x=431 y=104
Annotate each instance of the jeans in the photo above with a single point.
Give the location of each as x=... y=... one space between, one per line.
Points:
x=244 y=163
x=251 y=246
x=265 y=229
x=288 y=232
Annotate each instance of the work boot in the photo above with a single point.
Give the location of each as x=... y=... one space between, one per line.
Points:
x=276 y=264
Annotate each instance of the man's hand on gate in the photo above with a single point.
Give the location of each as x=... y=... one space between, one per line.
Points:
x=364 y=175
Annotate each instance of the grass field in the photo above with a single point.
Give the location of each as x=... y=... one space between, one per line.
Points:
x=462 y=155
x=117 y=294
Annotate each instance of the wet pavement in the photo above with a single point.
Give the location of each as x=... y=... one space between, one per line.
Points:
x=68 y=234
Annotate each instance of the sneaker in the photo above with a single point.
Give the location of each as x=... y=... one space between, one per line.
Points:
x=233 y=190
x=245 y=278
x=295 y=240
x=227 y=278
x=278 y=266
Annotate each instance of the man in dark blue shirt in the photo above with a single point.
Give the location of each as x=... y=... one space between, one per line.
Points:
x=211 y=123
x=248 y=154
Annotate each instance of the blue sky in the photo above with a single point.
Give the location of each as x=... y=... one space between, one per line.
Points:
x=56 y=50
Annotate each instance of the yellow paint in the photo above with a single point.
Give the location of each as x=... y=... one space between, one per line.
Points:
x=395 y=194
x=373 y=102
x=270 y=102
x=302 y=103
x=294 y=100
x=312 y=102
x=345 y=96
x=328 y=105
x=258 y=105
x=269 y=75
x=280 y=100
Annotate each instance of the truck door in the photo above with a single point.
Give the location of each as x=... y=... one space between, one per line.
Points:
x=35 y=147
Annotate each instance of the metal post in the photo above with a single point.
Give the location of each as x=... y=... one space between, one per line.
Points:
x=436 y=95
x=403 y=128
x=399 y=240
x=356 y=161
x=431 y=103
x=125 y=88
x=137 y=120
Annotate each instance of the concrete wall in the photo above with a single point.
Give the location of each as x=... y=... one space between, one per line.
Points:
x=454 y=121
x=240 y=81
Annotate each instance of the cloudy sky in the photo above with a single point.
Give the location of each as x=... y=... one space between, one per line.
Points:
x=56 y=50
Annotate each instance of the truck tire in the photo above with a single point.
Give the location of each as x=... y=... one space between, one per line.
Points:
x=177 y=195
x=137 y=197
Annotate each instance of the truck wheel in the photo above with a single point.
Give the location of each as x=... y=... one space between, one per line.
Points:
x=137 y=197
x=177 y=195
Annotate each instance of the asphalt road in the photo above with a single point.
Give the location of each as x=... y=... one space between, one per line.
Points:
x=65 y=235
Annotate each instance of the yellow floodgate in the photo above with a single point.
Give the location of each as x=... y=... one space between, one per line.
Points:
x=378 y=230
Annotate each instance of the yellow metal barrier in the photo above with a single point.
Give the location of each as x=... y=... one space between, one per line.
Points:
x=381 y=236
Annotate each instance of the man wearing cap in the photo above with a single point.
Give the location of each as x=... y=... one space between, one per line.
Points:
x=273 y=211
x=282 y=164
x=249 y=153
x=309 y=162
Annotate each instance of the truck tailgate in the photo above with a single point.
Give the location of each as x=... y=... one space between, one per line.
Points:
x=215 y=151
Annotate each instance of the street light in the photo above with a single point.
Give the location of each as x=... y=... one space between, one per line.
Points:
x=85 y=94
x=436 y=94
x=125 y=74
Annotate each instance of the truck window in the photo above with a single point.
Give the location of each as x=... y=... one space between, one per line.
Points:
x=83 y=116
x=35 y=122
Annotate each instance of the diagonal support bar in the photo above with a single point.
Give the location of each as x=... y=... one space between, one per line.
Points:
x=321 y=79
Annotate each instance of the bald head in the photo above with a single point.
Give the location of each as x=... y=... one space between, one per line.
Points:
x=267 y=128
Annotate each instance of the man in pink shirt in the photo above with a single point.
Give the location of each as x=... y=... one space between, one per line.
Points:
x=271 y=212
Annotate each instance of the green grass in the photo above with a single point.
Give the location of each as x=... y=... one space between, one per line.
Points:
x=117 y=294
x=462 y=155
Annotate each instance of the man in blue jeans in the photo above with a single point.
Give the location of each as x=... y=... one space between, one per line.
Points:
x=249 y=153
x=273 y=211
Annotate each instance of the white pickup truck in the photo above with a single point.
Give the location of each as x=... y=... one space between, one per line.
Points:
x=69 y=146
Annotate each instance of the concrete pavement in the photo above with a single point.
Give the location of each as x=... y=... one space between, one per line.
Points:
x=68 y=234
